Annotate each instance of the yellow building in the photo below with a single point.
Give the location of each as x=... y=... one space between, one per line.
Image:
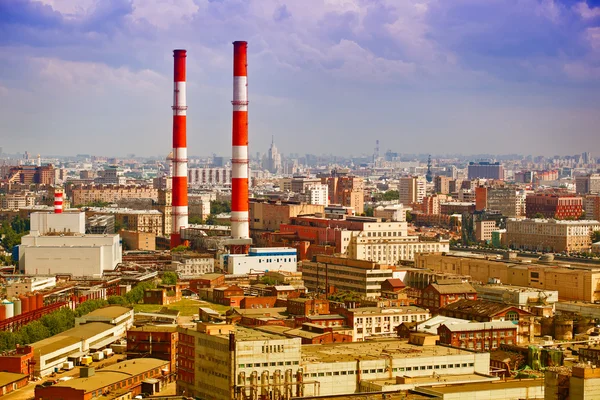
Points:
x=268 y=216
x=579 y=283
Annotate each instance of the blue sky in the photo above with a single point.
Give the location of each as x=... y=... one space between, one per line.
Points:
x=325 y=76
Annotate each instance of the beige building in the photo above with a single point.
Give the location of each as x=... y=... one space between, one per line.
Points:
x=582 y=284
x=268 y=216
x=138 y=240
x=483 y=230
x=164 y=206
x=442 y=184
x=550 y=235
x=373 y=322
x=16 y=201
x=412 y=189
x=147 y=221
x=81 y=195
x=388 y=243
x=362 y=277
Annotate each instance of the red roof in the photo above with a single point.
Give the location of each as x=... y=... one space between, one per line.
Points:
x=397 y=283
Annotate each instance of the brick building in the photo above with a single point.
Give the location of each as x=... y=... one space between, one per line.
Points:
x=307 y=306
x=10 y=381
x=125 y=376
x=487 y=311
x=109 y=193
x=551 y=205
x=478 y=336
x=19 y=361
x=207 y=281
x=258 y=302
x=228 y=295
x=437 y=295
x=153 y=341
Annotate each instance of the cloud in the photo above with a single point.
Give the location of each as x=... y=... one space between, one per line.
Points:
x=585 y=11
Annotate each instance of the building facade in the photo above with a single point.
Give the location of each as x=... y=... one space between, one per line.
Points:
x=550 y=235
x=478 y=336
x=553 y=206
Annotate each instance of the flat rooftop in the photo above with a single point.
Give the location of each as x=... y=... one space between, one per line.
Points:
x=113 y=374
x=249 y=335
x=70 y=337
x=108 y=312
x=486 y=386
x=425 y=380
x=373 y=350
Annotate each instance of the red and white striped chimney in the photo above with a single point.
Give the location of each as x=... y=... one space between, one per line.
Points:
x=240 y=228
x=179 y=183
x=58 y=201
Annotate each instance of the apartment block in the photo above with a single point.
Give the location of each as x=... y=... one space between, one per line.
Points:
x=209 y=176
x=373 y=322
x=347 y=191
x=412 y=189
x=81 y=195
x=268 y=215
x=363 y=277
x=442 y=184
x=587 y=184
x=485 y=170
x=550 y=235
x=484 y=229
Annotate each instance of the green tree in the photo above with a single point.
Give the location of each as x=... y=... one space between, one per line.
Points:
x=88 y=306
x=136 y=294
x=369 y=211
x=391 y=195
x=595 y=236
x=268 y=280
x=117 y=300
x=409 y=217
x=169 y=278
x=539 y=216
x=218 y=207
x=196 y=220
x=179 y=249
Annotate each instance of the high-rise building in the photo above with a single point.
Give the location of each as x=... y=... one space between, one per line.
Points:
x=585 y=184
x=442 y=184
x=272 y=161
x=486 y=170
x=412 y=189
x=318 y=194
x=345 y=190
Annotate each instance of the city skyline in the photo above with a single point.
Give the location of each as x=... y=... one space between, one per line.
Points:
x=422 y=77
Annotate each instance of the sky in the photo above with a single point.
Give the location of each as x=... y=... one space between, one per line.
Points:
x=324 y=76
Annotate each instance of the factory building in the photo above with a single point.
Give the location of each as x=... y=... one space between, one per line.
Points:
x=57 y=244
x=262 y=259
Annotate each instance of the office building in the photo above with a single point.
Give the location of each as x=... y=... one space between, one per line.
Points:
x=318 y=194
x=262 y=259
x=587 y=184
x=486 y=170
x=556 y=206
x=373 y=322
x=442 y=184
x=346 y=191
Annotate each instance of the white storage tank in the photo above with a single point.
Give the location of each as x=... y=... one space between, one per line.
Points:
x=10 y=308
x=17 y=306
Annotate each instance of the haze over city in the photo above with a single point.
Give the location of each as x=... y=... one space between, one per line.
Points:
x=83 y=76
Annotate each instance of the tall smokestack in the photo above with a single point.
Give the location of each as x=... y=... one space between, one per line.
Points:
x=180 y=201
x=58 y=201
x=240 y=228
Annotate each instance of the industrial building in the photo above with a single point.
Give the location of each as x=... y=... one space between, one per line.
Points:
x=128 y=378
x=57 y=244
x=226 y=362
x=261 y=260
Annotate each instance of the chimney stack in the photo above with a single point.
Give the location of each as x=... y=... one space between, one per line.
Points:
x=240 y=228
x=58 y=201
x=179 y=182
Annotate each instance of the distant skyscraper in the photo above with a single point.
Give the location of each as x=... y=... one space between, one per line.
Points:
x=272 y=161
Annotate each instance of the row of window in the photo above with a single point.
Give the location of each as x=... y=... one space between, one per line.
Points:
x=381 y=370
x=268 y=364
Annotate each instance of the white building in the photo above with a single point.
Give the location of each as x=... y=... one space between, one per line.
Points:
x=262 y=259
x=189 y=266
x=57 y=244
x=318 y=194
x=121 y=317
x=29 y=285
x=372 y=322
x=392 y=212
